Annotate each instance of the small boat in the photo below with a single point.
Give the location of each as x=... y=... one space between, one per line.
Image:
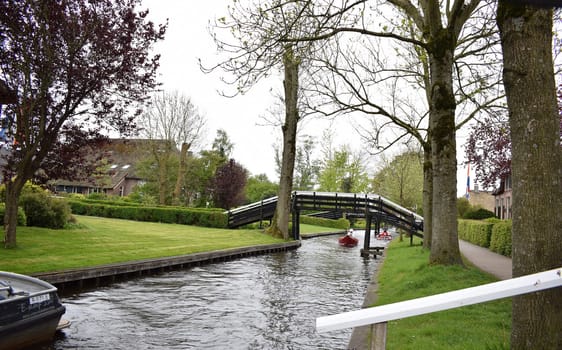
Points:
x=30 y=311
x=348 y=241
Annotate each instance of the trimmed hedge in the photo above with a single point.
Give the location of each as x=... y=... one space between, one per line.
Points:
x=22 y=219
x=339 y=223
x=477 y=232
x=501 y=238
x=491 y=233
x=171 y=215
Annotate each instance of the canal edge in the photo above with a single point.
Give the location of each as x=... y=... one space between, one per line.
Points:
x=370 y=337
x=105 y=274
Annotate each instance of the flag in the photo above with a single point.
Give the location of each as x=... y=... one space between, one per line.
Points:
x=467 y=194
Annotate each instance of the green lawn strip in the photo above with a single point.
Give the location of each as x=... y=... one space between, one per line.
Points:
x=311 y=229
x=406 y=274
x=98 y=241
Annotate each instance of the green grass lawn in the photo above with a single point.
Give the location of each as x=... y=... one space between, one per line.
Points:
x=97 y=241
x=406 y=274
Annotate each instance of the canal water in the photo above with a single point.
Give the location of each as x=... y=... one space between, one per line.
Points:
x=264 y=302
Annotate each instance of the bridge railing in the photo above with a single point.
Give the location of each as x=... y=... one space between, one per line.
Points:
x=468 y=296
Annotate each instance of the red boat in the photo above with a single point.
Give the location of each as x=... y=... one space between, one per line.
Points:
x=348 y=241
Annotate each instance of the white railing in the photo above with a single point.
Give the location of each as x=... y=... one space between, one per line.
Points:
x=444 y=301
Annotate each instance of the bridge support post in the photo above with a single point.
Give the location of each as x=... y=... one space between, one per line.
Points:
x=296 y=225
x=367 y=239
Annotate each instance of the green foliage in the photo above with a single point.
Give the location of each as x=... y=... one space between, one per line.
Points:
x=401 y=180
x=97 y=195
x=186 y=216
x=405 y=275
x=478 y=213
x=339 y=224
x=477 y=232
x=343 y=171
x=141 y=196
x=463 y=205
x=500 y=242
x=259 y=187
x=491 y=233
x=22 y=220
x=42 y=210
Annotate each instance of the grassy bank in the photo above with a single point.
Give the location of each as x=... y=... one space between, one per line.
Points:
x=406 y=275
x=97 y=241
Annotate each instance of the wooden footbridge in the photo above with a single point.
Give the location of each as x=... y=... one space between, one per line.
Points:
x=374 y=208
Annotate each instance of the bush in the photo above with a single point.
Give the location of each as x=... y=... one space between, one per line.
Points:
x=478 y=213
x=42 y=210
x=463 y=205
x=500 y=241
x=22 y=220
x=477 y=232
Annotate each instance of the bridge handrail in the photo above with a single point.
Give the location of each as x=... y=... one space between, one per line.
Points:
x=444 y=301
x=269 y=200
x=368 y=196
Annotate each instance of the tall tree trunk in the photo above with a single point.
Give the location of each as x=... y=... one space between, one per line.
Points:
x=280 y=223
x=427 y=197
x=526 y=35
x=444 y=240
x=181 y=172
x=13 y=191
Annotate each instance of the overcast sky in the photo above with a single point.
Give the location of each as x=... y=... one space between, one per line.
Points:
x=187 y=39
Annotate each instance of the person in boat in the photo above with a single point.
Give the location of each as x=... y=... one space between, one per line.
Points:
x=384 y=234
x=350 y=232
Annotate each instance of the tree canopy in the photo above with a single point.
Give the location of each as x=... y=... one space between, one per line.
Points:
x=77 y=68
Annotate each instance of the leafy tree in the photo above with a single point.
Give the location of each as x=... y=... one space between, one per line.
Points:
x=228 y=185
x=536 y=167
x=76 y=68
x=259 y=187
x=343 y=171
x=489 y=147
x=401 y=180
x=222 y=144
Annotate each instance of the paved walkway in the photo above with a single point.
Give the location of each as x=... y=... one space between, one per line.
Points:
x=486 y=260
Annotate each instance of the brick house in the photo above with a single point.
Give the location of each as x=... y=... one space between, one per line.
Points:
x=503 y=199
x=120 y=177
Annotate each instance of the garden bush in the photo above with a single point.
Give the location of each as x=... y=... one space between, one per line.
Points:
x=22 y=220
x=500 y=241
x=42 y=210
x=478 y=213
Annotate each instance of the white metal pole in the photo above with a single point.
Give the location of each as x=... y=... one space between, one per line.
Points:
x=444 y=301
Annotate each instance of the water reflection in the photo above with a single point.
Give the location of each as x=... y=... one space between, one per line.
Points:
x=265 y=302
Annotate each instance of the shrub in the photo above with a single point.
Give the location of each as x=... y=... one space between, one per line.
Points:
x=478 y=213
x=477 y=232
x=463 y=205
x=22 y=220
x=500 y=241
x=42 y=210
